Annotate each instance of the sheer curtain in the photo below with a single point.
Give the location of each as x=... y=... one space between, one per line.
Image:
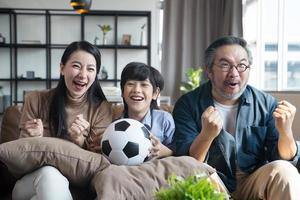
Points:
x=189 y=26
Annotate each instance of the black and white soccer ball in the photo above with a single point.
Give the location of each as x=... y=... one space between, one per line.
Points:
x=126 y=142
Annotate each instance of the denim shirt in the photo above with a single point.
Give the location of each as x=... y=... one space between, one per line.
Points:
x=255 y=141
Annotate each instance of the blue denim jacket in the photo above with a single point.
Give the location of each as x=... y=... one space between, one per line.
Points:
x=255 y=141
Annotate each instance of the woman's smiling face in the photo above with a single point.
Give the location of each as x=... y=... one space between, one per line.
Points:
x=79 y=73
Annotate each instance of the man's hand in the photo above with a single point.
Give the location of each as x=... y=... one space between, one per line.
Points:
x=34 y=127
x=212 y=123
x=78 y=128
x=284 y=115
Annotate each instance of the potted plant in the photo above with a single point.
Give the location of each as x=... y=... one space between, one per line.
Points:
x=105 y=29
x=198 y=186
x=194 y=78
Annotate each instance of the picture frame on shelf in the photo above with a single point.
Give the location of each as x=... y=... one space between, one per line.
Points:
x=126 y=39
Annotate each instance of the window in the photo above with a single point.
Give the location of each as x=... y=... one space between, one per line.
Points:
x=272 y=29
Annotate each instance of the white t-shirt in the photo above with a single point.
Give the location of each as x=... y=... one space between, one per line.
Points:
x=228 y=114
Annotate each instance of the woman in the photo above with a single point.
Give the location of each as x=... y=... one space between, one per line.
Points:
x=75 y=110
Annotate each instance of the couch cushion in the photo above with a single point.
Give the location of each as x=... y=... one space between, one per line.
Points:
x=142 y=181
x=27 y=154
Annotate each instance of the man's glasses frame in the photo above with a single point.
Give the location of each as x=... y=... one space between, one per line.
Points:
x=226 y=67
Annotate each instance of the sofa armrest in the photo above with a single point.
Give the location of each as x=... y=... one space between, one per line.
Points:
x=10 y=124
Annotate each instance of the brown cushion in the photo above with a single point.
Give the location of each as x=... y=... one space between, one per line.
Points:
x=10 y=124
x=27 y=154
x=141 y=182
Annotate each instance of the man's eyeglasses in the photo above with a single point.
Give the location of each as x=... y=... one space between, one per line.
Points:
x=226 y=67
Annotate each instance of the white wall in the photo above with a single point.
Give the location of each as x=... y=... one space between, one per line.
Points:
x=135 y=5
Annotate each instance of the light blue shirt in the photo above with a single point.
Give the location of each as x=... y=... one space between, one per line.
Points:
x=161 y=125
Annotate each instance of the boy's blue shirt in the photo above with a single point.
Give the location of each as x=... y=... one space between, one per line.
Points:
x=161 y=125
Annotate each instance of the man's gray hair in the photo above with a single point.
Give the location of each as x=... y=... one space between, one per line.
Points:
x=210 y=52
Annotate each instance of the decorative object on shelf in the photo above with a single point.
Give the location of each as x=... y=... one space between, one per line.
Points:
x=4 y=100
x=104 y=74
x=81 y=6
x=126 y=39
x=2 y=39
x=96 y=41
x=30 y=74
x=22 y=49
x=143 y=41
x=31 y=41
x=105 y=29
x=194 y=78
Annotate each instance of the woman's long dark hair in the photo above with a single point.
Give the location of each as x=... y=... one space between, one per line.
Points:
x=140 y=72
x=95 y=95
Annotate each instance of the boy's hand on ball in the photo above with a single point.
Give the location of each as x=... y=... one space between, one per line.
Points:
x=154 y=150
x=158 y=150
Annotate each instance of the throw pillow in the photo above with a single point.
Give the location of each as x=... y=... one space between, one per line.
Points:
x=142 y=181
x=27 y=154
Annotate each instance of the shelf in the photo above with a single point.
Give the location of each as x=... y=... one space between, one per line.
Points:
x=5 y=45
x=107 y=46
x=31 y=79
x=131 y=47
x=6 y=79
x=40 y=50
x=29 y=45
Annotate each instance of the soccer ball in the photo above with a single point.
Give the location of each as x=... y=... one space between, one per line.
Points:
x=126 y=142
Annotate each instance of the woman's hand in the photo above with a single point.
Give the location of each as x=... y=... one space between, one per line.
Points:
x=34 y=127
x=78 y=130
x=158 y=150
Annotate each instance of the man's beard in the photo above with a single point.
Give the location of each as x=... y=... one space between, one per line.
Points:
x=229 y=96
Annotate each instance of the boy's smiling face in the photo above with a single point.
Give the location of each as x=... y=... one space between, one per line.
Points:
x=138 y=96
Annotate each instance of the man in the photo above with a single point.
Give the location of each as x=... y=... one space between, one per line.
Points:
x=242 y=132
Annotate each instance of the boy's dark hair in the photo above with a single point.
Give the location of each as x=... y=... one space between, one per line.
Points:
x=140 y=72
x=95 y=95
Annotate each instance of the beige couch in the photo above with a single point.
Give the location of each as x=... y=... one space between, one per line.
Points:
x=108 y=182
x=294 y=98
x=10 y=132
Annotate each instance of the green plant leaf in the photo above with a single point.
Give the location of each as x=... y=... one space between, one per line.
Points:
x=105 y=28
x=194 y=78
x=192 y=188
